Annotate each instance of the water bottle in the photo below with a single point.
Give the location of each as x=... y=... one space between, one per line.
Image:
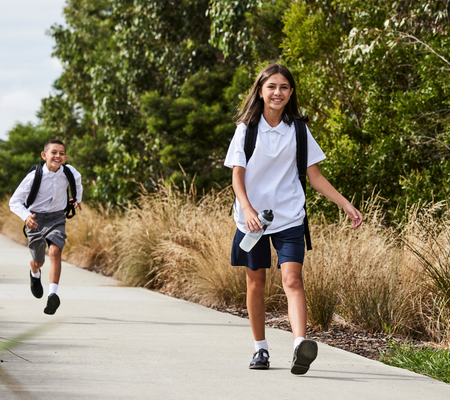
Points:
x=251 y=238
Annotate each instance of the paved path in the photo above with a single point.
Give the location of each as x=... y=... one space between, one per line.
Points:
x=112 y=342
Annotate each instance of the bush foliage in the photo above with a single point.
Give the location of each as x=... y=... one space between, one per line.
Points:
x=147 y=93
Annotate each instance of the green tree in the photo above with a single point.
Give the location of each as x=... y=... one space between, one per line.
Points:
x=374 y=78
x=190 y=134
x=112 y=53
x=19 y=153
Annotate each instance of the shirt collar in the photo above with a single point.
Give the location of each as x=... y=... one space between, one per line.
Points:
x=281 y=128
x=46 y=171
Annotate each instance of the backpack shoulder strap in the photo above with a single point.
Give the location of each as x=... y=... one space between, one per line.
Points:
x=70 y=209
x=250 y=141
x=35 y=186
x=302 y=150
x=302 y=164
x=249 y=146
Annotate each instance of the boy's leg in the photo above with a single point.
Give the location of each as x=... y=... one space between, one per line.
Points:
x=35 y=266
x=53 y=301
x=37 y=246
x=35 y=279
x=54 y=253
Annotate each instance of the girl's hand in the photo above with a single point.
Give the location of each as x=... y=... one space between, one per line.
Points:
x=78 y=206
x=354 y=215
x=252 y=221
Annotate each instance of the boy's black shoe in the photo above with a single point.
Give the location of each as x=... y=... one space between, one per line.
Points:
x=260 y=360
x=53 y=303
x=36 y=286
x=305 y=353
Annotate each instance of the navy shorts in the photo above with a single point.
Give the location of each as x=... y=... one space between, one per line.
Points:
x=289 y=244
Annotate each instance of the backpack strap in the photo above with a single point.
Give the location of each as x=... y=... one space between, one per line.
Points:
x=250 y=141
x=302 y=164
x=70 y=209
x=249 y=146
x=36 y=184
x=34 y=189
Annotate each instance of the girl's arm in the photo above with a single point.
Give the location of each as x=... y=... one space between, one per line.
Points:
x=250 y=214
x=320 y=183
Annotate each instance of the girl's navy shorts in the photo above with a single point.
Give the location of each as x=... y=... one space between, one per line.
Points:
x=289 y=244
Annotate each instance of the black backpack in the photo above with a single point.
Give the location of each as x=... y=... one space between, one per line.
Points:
x=302 y=160
x=70 y=208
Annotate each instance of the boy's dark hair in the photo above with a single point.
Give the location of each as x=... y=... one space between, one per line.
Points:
x=54 y=141
x=250 y=113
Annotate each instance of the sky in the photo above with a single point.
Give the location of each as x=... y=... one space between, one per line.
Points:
x=27 y=70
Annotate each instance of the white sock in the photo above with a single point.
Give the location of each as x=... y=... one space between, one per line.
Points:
x=38 y=275
x=298 y=341
x=261 y=344
x=53 y=287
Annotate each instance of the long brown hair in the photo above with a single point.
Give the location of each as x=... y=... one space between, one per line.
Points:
x=250 y=113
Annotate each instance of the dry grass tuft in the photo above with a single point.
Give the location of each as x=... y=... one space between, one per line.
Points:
x=11 y=225
x=357 y=274
x=426 y=235
x=91 y=240
x=172 y=242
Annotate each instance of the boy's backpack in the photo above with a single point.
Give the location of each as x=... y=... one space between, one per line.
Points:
x=70 y=208
x=302 y=160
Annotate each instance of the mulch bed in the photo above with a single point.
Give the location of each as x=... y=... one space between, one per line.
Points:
x=356 y=341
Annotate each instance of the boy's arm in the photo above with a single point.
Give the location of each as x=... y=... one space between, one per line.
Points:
x=19 y=197
x=321 y=184
x=250 y=214
x=78 y=186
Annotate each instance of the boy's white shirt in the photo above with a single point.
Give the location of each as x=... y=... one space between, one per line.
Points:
x=271 y=176
x=52 y=195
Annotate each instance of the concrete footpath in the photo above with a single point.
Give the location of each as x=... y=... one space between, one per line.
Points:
x=112 y=342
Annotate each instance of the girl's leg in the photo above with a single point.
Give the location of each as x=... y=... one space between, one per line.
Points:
x=54 y=253
x=256 y=281
x=291 y=273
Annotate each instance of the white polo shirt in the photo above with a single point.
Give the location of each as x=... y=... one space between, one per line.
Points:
x=52 y=195
x=271 y=176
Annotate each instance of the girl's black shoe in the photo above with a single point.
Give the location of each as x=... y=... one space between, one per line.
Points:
x=304 y=354
x=260 y=360
x=36 y=286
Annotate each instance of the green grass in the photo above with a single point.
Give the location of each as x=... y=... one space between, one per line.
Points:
x=428 y=361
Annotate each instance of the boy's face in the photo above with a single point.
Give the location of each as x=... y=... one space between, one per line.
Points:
x=54 y=156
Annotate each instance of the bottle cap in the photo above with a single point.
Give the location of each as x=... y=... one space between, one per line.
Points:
x=267 y=215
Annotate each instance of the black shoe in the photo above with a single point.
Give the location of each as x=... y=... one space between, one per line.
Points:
x=36 y=286
x=52 y=304
x=260 y=360
x=305 y=353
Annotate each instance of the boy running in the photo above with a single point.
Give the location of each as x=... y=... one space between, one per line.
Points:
x=45 y=219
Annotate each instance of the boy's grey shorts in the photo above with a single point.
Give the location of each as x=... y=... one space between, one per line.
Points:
x=51 y=228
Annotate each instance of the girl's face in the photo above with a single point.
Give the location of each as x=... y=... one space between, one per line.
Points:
x=276 y=92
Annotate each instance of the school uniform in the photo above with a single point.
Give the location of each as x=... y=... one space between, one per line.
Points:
x=271 y=182
x=49 y=206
